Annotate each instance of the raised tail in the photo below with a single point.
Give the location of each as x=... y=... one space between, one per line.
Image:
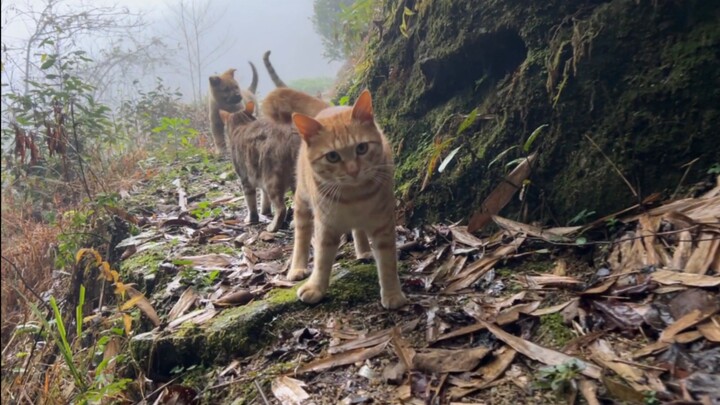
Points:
x=253 y=84
x=271 y=70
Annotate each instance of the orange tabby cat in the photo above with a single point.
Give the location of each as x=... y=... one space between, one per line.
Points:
x=281 y=103
x=344 y=182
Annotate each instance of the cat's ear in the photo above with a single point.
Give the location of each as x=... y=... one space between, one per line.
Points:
x=363 y=109
x=224 y=116
x=214 y=80
x=229 y=73
x=249 y=107
x=308 y=127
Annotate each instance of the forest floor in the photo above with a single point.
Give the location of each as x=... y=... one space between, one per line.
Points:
x=621 y=310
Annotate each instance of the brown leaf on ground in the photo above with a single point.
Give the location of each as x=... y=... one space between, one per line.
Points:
x=548 y=235
x=273 y=253
x=603 y=353
x=553 y=309
x=668 y=277
x=653 y=348
x=487 y=373
x=544 y=280
x=289 y=390
x=144 y=305
x=710 y=329
x=199 y=316
x=588 y=389
x=470 y=274
x=460 y=234
x=211 y=261
x=502 y=194
x=703 y=256
x=239 y=297
x=188 y=298
x=344 y=358
x=542 y=354
x=447 y=361
x=692 y=318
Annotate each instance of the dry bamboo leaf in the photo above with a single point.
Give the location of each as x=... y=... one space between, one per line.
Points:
x=190 y=316
x=505 y=317
x=547 y=280
x=653 y=348
x=604 y=286
x=602 y=353
x=144 y=305
x=668 y=277
x=683 y=250
x=553 y=309
x=519 y=228
x=711 y=329
x=690 y=319
x=289 y=390
x=488 y=373
x=502 y=194
x=460 y=234
x=185 y=302
x=372 y=339
x=213 y=260
x=470 y=274
x=403 y=350
x=703 y=256
x=239 y=297
x=542 y=354
x=588 y=389
x=647 y=227
x=343 y=358
x=448 y=361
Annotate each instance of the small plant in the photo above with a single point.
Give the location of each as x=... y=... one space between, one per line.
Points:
x=561 y=379
x=204 y=211
x=582 y=216
x=179 y=133
x=714 y=169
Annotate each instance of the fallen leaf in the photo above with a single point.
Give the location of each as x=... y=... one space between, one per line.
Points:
x=289 y=390
x=239 y=297
x=502 y=194
x=470 y=274
x=688 y=320
x=447 y=361
x=710 y=329
x=653 y=348
x=460 y=234
x=519 y=228
x=588 y=389
x=273 y=253
x=553 y=309
x=547 y=280
x=342 y=359
x=144 y=305
x=210 y=261
x=188 y=298
x=542 y=354
x=602 y=353
x=702 y=257
x=488 y=373
x=667 y=277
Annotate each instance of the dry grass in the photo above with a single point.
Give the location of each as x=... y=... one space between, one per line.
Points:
x=29 y=242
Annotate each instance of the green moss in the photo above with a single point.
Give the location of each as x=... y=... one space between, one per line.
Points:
x=553 y=330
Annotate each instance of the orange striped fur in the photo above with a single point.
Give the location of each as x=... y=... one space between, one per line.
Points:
x=344 y=182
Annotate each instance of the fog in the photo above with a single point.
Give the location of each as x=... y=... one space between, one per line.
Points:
x=243 y=30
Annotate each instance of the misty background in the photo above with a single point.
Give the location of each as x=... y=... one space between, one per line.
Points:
x=230 y=33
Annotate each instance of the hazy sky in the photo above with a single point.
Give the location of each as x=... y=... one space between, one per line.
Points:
x=250 y=26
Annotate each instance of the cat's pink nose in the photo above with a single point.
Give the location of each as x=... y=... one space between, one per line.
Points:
x=352 y=168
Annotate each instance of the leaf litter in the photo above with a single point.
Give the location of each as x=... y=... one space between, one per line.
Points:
x=479 y=304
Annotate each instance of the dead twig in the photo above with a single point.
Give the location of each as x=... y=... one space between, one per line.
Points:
x=261 y=392
x=632 y=189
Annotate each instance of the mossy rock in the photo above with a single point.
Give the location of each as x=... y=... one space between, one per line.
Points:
x=242 y=331
x=641 y=79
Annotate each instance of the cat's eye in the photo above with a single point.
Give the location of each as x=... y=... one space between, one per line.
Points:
x=332 y=157
x=361 y=148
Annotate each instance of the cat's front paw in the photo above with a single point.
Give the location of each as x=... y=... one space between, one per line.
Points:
x=252 y=219
x=296 y=274
x=393 y=301
x=364 y=257
x=310 y=293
